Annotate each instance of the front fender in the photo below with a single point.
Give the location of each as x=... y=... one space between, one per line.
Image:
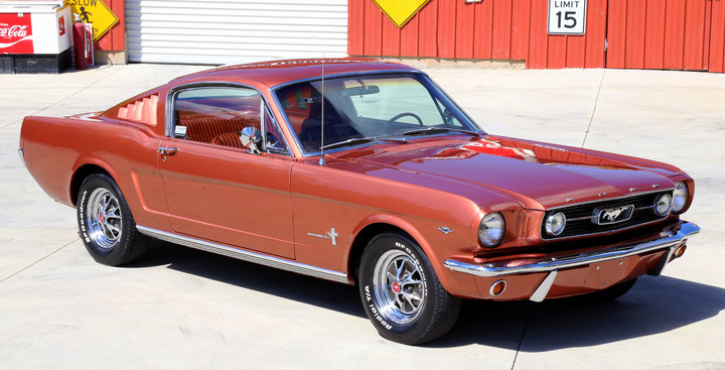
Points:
x=436 y=244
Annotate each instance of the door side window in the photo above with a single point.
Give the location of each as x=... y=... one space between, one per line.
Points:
x=217 y=115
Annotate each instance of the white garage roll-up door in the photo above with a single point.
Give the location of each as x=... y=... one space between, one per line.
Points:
x=234 y=31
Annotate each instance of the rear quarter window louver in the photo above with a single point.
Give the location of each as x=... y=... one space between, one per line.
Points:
x=142 y=110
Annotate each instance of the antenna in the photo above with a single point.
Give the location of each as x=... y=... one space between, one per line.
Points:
x=322 y=119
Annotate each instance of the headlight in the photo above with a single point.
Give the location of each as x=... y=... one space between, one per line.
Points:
x=492 y=229
x=680 y=197
x=555 y=223
x=663 y=205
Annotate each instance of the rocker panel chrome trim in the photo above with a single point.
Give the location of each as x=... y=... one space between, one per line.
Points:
x=245 y=255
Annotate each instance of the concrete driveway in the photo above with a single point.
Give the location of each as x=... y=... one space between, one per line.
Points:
x=186 y=309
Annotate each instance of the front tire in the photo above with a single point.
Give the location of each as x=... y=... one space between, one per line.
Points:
x=105 y=223
x=401 y=293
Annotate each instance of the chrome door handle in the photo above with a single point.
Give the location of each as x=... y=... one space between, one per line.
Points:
x=167 y=151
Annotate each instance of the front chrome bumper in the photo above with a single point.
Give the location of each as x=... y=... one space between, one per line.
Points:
x=667 y=240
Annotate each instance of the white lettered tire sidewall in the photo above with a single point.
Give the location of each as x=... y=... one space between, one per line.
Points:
x=125 y=244
x=419 y=327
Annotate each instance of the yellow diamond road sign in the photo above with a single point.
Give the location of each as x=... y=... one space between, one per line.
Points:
x=399 y=11
x=95 y=12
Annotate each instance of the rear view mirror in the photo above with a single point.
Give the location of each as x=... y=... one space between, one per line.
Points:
x=360 y=90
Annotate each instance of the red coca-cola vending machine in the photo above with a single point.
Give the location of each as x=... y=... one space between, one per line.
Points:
x=35 y=36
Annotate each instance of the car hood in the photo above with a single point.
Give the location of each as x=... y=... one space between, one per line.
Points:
x=536 y=175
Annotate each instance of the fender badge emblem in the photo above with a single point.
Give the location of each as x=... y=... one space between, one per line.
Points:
x=445 y=230
x=330 y=235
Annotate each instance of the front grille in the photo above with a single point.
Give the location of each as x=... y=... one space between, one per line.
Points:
x=581 y=220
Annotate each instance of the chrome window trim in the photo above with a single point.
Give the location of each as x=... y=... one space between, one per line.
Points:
x=174 y=91
x=245 y=255
x=291 y=130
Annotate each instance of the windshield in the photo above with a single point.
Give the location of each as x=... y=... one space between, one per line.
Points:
x=371 y=107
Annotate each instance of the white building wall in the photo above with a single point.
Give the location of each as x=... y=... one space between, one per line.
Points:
x=234 y=31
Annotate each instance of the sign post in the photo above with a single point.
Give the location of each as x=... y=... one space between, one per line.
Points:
x=567 y=17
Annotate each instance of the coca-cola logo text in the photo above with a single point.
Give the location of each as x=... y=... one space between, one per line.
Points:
x=16 y=33
x=13 y=32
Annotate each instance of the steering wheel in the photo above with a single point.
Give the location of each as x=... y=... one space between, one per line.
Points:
x=406 y=114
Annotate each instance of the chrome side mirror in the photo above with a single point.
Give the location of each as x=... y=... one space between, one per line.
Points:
x=251 y=137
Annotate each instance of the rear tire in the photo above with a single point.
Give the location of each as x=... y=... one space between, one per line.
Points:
x=401 y=293
x=105 y=223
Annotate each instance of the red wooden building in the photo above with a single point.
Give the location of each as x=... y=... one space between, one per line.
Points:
x=635 y=34
x=112 y=46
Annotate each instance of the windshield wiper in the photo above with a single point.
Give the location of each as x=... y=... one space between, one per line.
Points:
x=361 y=140
x=439 y=130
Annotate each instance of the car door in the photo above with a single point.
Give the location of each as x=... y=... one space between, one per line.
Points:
x=217 y=190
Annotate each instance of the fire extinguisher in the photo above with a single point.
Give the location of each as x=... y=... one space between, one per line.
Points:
x=80 y=43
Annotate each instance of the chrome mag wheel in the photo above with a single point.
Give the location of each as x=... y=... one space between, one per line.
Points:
x=398 y=287
x=103 y=218
x=401 y=293
x=105 y=223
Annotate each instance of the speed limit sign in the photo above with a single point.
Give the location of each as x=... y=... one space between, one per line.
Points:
x=567 y=17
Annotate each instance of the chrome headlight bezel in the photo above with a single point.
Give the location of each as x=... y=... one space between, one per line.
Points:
x=663 y=205
x=491 y=229
x=552 y=226
x=679 y=196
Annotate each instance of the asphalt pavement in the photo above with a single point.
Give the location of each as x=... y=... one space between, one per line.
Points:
x=185 y=309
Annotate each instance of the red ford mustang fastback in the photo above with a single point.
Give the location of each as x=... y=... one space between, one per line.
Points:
x=364 y=173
